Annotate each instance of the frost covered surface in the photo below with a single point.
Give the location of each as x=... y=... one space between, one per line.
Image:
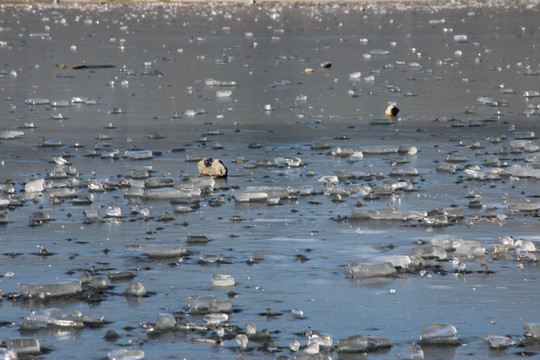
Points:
x=336 y=227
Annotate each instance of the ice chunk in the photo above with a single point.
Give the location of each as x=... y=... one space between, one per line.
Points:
x=6 y=354
x=220 y=280
x=430 y=252
x=523 y=171
x=138 y=154
x=359 y=343
x=197 y=239
x=525 y=245
x=125 y=354
x=365 y=271
x=165 y=194
x=55 y=317
x=417 y=353
x=523 y=206
x=98 y=283
x=448 y=244
x=387 y=214
x=379 y=52
x=469 y=249
x=60 y=103
x=114 y=212
x=283 y=192
x=92 y=215
x=402 y=261
x=24 y=346
x=434 y=220
x=158 y=251
x=355 y=76
x=531 y=93
x=477 y=173
x=456 y=158
x=37 y=185
x=532 y=330
x=378 y=149
x=37 y=101
x=443 y=167
x=165 y=322
x=461 y=38
x=403 y=171
x=63 y=193
x=498 y=342
x=10 y=134
x=59 y=288
x=205 y=304
x=223 y=93
x=320 y=145
x=251 y=196
x=216 y=318
x=328 y=179
x=135 y=289
x=439 y=334
x=325 y=341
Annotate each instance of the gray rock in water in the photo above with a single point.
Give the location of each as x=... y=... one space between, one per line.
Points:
x=135 y=288
x=439 y=334
x=364 y=271
x=360 y=343
x=212 y=167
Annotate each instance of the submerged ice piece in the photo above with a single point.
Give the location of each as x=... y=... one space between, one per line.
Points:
x=365 y=271
x=59 y=288
x=439 y=334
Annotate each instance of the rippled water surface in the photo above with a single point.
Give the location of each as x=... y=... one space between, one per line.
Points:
x=465 y=77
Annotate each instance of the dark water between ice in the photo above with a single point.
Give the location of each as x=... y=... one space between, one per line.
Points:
x=163 y=57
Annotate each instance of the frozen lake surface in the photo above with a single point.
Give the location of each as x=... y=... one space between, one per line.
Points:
x=107 y=109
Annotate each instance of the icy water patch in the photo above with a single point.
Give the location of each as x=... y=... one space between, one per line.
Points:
x=339 y=231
